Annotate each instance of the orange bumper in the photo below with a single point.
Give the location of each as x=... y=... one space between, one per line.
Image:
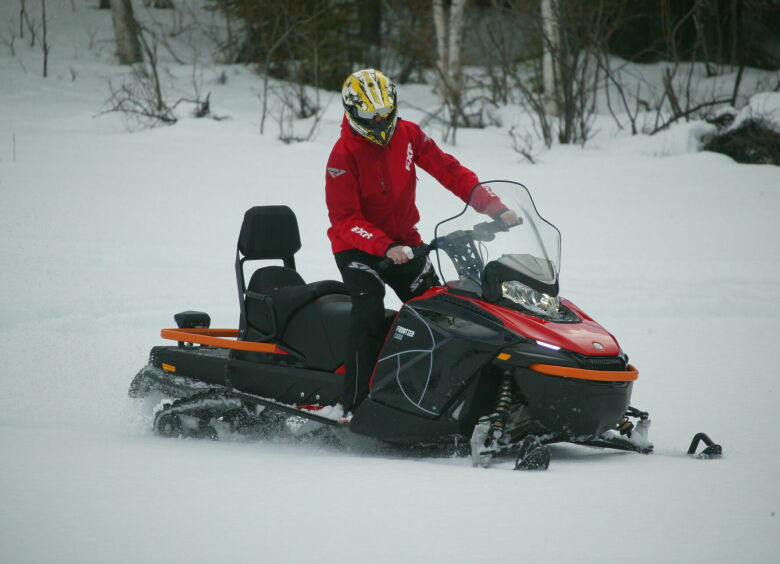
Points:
x=222 y=338
x=628 y=375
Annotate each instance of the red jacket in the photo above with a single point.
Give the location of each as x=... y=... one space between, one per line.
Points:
x=370 y=190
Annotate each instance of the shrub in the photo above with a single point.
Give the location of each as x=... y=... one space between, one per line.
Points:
x=754 y=141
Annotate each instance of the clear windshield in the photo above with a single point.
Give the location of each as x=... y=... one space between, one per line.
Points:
x=471 y=241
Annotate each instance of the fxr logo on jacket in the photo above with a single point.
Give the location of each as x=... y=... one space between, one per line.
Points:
x=409 y=156
x=362 y=232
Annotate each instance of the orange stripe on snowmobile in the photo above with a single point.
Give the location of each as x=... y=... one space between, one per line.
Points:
x=222 y=338
x=583 y=374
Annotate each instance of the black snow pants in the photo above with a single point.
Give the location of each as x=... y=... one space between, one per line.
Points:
x=366 y=284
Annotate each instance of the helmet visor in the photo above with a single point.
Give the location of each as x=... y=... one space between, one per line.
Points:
x=383 y=113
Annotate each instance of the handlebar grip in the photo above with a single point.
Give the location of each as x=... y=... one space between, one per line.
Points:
x=419 y=251
x=486 y=231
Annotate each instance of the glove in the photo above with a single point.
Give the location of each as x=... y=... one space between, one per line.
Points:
x=399 y=254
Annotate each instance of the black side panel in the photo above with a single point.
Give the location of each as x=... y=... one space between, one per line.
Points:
x=319 y=331
x=571 y=408
x=286 y=384
x=292 y=359
x=200 y=363
x=430 y=356
x=388 y=424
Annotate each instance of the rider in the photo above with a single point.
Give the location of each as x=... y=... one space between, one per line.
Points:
x=370 y=186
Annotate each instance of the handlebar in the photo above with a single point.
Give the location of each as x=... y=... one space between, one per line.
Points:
x=485 y=231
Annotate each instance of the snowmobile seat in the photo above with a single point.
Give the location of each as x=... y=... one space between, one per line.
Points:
x=277 y=294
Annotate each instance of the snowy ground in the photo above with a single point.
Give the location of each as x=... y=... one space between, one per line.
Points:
x=105 y=234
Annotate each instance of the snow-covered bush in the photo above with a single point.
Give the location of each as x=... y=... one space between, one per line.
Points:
x=754 y=141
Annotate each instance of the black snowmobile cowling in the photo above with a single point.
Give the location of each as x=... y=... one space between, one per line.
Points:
x=493 y=358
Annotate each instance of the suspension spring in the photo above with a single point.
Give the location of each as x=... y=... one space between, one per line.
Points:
x=502 y=405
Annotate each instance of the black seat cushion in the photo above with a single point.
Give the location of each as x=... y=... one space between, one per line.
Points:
x=271 y=278
x=285 y=293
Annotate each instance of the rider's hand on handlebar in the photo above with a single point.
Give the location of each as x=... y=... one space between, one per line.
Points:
x=399 y=254
x=509 y=217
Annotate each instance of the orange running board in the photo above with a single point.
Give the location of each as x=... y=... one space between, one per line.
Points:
x=222 y=338
x=628 y=375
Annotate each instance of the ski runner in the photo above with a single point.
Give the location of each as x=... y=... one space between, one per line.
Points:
x=370 y=187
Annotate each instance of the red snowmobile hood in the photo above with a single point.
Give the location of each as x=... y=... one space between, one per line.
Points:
x=587 y=337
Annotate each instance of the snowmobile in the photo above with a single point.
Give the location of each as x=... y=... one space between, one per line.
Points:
x=493 y=358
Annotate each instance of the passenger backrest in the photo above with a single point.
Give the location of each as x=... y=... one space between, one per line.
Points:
x=270 y=232
x=267 y=232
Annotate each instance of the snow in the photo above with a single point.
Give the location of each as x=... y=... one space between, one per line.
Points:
x=105 y=234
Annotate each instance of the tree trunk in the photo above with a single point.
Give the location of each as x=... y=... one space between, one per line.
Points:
x=126 y=31
x=44 y=42
x=449 y=41
x=551 y=53
x=442 y=57
x=370 y=14
x=456 y=43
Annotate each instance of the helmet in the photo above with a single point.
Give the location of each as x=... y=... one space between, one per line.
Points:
x=370 y=105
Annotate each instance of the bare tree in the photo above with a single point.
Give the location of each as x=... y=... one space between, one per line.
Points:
x=551 y=48
x=142 y=97
x=449 y=71
x=26 y=22
x=682 y=98
x=22 y=16
x=559 y=86
x=408 y=34
x=298 y=114
x=629 y=103
x=44 y=42
x=287 y=23
x=126 y=32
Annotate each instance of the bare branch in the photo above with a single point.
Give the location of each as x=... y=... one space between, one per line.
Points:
x=687 y=113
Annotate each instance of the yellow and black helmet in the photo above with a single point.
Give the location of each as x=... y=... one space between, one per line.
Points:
x=370 y=105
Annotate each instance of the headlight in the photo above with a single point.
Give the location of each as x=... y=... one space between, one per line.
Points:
x=530 y=299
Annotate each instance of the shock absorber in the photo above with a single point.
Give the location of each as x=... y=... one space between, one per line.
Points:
x=490 y=428
x=503 y=403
